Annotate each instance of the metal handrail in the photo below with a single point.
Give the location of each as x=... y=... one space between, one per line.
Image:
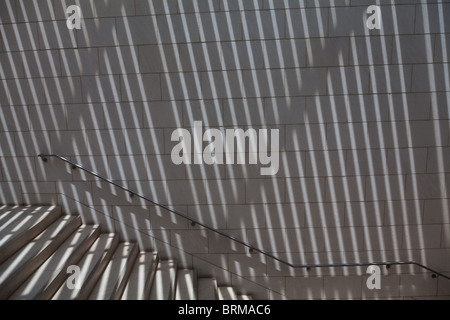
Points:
x=251 y=247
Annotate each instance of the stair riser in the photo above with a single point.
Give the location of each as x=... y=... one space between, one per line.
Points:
x=142 y=267
x=91 y=281
x=173 y=286
x=227 y=293
x=151 y=278
x=186 y=286
x=167 y=273
x=124 y=279
x=207 y=289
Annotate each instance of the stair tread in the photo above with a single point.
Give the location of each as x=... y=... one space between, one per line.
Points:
x=19 y=225
x=227 y=293
x=91 y=266
x=15 y=219
x=56 y=265
x=6 y=212
x=186 y=289
x=207 y=289
x=164 y=283
x=141 y=278
x=116 y=273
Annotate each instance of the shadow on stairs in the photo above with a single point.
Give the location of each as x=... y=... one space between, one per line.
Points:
x=47 y=255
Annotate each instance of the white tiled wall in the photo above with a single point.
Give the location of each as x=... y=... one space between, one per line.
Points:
x=363 y=117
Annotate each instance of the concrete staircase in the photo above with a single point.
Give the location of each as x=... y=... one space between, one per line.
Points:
x=47 y=255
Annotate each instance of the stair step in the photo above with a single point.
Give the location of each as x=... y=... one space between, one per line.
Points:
x=207 y=289
x=92 y=265
x=163 y=287
x=20 y=224
x=15 y=270
x=186 y=289
x=141 y=278
x=227 y=293
x=244 y=297
x=111 y=284
x=46 y=280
